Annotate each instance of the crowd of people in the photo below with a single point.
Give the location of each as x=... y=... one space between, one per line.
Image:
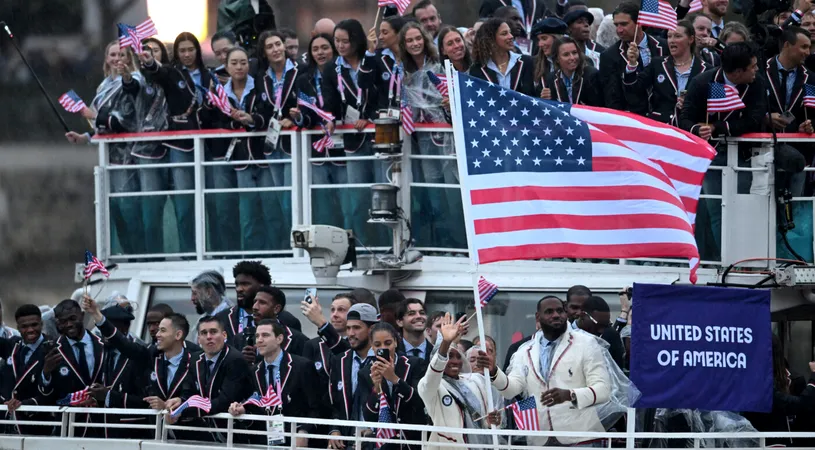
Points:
x=368 y=352
x=364 y=348
x=570 y=54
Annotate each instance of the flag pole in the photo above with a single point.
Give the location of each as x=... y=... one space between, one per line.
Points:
x=39 y=83
x=482 y=343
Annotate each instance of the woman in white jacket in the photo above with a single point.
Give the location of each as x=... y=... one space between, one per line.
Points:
x=454 y=398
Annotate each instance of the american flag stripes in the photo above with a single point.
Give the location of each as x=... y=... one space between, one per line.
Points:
x=130 y=36
x=682 y=156
x=93 y=265
x=723 y=98
x=695 y=5
x=809 y=96
x=325 y=142
x=384 y=418
x=440 y=81
x=486 y=291
x=525 y=413
x=406 y=113
x=401 y=5
x=196 y=401
x=308 y=102
x=75 y=399
x=540 y=183
x=657 y=14
x=71 y=102
x=270 y=399
x=219 y=99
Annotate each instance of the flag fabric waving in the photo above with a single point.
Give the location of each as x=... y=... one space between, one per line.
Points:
x=401 y=5
x=440 y=81
x=146 y=29
x=325 y=142
x=486 y=291
x=809 y=96
x=71 y=102
x=220 y=99
x=269 y=400
x=525 y=413
x=93 y=265
x=695 y=5
x=406 y=113
x=130 y=36
x=657 y=14
x=723 y=98
x=75 y=399
x=308 y=102
x=683 y=156
x=539 y=183
x=196 y=401
x=384 y=418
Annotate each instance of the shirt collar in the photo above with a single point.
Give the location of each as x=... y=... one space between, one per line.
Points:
x=250 y=85
x=175 y=360
x=369 y=355
x=36 y=343
x=193 y=73
x=714 y=24
x=86 y=339
x=276 y=361
x=644 y=42
x=289 y=66
x=224 y=305
x=781 y=66
x=513 y=59
x=387 y=51
x=544 y=341
x=214 y=358
x=727 y=80
x=409 y=346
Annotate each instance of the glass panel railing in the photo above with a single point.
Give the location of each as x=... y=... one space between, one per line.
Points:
x=799 y=238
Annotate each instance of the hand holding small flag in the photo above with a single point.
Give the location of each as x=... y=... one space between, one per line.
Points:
x=71 y=102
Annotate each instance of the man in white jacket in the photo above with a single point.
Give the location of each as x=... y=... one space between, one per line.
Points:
x=564 y=370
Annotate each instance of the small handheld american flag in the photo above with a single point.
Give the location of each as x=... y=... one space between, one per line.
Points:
x=695 y=5
x=384 y=418
x=270 y=399
x=657 y=14
x=308 y=102
x=71 y=102
x=525 y=413
x=324 y=143
x=486 y=291
x=809 y=96
x=406 y=112
x=440 y=81
x=401 y=5
x=219 y=99
x=130 y=36
x=93 y=265
x=723 y=98
x=196 y=401
x=75 y=399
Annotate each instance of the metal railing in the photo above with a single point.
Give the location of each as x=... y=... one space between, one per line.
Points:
x=301 y=193
x=69 y=419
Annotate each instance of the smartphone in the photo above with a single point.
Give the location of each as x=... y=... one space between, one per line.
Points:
x=384 y=353
x=310 y=295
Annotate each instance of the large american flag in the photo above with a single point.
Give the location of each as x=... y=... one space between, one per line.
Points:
x=308 y=102
x=196 y=401
x=486 y=291
x=809 y=96
x=220 y=99
x=525 y=413
x=93 y=265
x=723 y=98
x=401 y=5
x=270 y=399
x=541 y=183
x=71 y=102
x=75 y=399
x=657 y=14
x=384 y=418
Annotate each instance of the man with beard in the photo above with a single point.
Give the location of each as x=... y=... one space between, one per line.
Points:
x=565 y=372
x=269 y=301
x=716 y=10
x=412 y=320
x=249 y=277
x=347 y=401
x=19 y=376
x=575 y=297
x=209 y=293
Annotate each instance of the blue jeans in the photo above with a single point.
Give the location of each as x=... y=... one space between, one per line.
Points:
x=259 y=211
x=152 y=180
x=281 y=176
x=359 y=201
x=126 y=213
x=223 y=220
x=184 y=179
x=329 y=206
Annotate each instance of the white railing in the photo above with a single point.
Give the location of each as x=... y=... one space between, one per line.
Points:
x=69 y=419
x=301 y=192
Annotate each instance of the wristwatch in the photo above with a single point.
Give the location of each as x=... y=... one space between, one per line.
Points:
x=573 y=397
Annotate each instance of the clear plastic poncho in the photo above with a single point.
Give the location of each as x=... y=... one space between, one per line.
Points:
x=696 y=421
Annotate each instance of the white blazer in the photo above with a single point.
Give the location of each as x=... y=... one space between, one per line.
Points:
x=577 y=365
x=445 y=412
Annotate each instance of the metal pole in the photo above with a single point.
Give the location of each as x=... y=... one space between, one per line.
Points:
x=39 y=83
x=200 y=222
x=630 y=428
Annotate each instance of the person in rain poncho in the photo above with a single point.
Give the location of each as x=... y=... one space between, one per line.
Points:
x=453 y=396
